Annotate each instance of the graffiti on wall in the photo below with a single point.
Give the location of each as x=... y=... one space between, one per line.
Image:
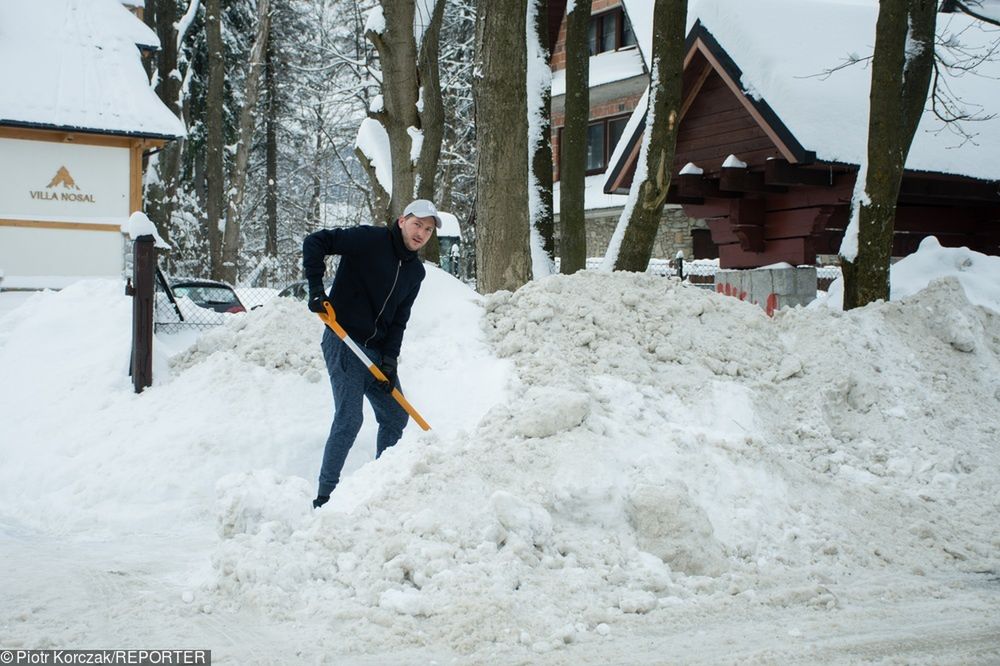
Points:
x=770 y=304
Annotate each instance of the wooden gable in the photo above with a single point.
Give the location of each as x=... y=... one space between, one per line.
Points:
x=716 y=125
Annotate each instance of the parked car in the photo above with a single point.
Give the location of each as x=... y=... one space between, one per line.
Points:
x=209 y=294
x=300 y=289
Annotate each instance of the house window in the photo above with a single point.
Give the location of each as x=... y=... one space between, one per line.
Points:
x=615 y=128
x=610 y=31
x=596 y=157
x=602 y=137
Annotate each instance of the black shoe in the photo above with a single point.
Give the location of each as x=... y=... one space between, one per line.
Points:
x=320 y=501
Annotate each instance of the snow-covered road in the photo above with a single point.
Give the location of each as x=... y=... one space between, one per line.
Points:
x=132 y=593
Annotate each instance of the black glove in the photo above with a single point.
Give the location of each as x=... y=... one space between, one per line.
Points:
x=316 y=298
x=388 y=369
x=316 y=303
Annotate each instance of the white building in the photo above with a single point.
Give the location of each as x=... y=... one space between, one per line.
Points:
x=76 y=115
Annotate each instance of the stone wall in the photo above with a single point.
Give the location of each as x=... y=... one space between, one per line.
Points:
x=673 y=235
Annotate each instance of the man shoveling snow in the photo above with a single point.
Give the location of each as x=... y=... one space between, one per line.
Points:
x=373 y=291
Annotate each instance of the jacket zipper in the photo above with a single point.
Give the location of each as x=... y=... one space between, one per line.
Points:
x=391 y=289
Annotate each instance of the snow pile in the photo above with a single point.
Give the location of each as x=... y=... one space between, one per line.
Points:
x=665 y=462
x=80 y=453
x=666 y=452
x=281 y=335
x=977 y=273
x=139 y=224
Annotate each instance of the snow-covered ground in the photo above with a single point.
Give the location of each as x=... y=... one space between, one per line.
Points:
x=622 y=469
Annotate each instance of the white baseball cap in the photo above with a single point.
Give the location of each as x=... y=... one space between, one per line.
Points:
x=422 y=208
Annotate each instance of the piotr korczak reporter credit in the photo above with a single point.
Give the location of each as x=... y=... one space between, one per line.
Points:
x=139 y=657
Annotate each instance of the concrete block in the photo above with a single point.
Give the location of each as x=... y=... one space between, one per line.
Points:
x=770 y=288
x=784 y=280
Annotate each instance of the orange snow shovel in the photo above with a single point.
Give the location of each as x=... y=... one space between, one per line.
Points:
x=330 y=320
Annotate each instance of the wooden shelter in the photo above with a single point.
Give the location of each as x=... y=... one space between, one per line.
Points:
x=767 y=195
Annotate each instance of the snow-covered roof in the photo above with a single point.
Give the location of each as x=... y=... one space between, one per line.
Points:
x=606 y=67
x=74 y=64
x=640 y=15
x=594 y=197
x=782 y=48
x=449 y=226
x=635 y=124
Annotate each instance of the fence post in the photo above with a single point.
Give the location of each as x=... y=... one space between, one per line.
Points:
x=143 y=276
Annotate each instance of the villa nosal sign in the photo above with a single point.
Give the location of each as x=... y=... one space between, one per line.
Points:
x=50 y=181
x=70 y=190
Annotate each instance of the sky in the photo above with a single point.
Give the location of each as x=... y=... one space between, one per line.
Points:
x=620 y=467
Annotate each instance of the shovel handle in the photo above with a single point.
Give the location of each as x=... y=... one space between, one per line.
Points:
x=330 y=319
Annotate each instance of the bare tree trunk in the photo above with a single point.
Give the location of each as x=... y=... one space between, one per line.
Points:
x=397 y=52
x=901 y=72
x=214 y=142
x=573 y=146
x=232 y=241
x=271 y=155
x=499 y=91
x=312 y=215
x=540 y=145
x=632 y=244
x=431 y=118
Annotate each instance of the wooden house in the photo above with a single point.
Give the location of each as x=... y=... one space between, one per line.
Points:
x=773 y=129
x=77 y=115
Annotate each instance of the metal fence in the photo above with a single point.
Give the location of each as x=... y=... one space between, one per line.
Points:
x=196 y=304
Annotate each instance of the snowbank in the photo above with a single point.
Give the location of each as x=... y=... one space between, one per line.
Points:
x=82 y=454
x=618 y=463
x=977 y=273
x=666 y=450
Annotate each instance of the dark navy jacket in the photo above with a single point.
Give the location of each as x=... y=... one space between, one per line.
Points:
x=375 y=285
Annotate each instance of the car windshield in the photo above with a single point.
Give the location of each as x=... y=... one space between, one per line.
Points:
x=206 y=294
